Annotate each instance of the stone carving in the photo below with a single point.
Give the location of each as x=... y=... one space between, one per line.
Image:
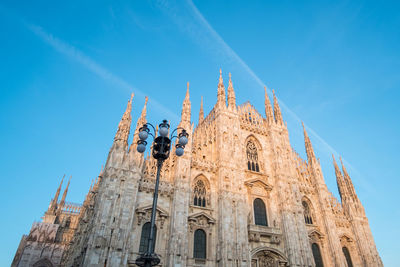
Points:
x=106 y=229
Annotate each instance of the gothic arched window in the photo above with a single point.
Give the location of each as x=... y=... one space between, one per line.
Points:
x=260 y=214
x=252 y=157
x=307 y=213
x=144 y=238
x=317 y=255
x=347 y=256
x=199 y=244
x=199 y=194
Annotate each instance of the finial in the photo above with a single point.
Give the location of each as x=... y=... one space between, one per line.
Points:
x=201 y=113
x=146 y=99
x=132 y=95
x=187 y=91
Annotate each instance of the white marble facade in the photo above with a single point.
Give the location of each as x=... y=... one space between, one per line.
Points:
x=240 y=196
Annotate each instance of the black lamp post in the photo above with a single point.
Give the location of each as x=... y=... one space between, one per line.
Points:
x=161 y=149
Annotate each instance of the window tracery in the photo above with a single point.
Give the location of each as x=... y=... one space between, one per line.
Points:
x=252 y=157
x=199 y=193
x=307 y=213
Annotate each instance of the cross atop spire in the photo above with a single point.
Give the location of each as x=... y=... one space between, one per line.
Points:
x=277 y=110
x=221 y=98
x=268 y=108
x=231 y=94
x=201 y=113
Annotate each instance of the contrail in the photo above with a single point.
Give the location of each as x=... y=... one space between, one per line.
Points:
x=194 y=23
x=77 y=55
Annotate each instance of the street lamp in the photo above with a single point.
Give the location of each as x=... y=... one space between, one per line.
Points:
x=161 y=149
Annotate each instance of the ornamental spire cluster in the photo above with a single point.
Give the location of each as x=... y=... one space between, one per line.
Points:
x=344 y=183
x=125 y=124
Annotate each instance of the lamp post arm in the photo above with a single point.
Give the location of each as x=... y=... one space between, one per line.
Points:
x=148 y=123
x=179 y=128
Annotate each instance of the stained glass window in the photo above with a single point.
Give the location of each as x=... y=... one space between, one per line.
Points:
x=200 y=244
x=260 y=214
x=317 y=255
x=347 y=256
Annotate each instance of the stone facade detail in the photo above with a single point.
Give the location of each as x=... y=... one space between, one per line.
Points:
x=240 y=183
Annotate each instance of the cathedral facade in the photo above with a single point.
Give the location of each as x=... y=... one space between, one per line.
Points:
x=239 y=196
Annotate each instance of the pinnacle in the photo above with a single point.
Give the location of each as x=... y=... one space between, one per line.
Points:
x=187 y=96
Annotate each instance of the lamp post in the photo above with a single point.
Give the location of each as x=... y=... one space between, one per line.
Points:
x=161 y=150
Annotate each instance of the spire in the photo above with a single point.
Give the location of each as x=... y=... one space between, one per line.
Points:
x=142 y=120
x=277 y=110
x=186 y=109
x=347 y=179
x=201 y=113
x=62 y=202
x=125 y=124
x=221 y=99
x=308 y=145
x=339 y=180
x=268 y=108
x=53 y=204
x=231 y=94
x=58 y=190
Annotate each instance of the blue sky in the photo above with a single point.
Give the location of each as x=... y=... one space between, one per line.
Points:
x=67 y=71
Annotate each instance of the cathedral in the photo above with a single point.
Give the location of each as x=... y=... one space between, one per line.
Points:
x=239 y=196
